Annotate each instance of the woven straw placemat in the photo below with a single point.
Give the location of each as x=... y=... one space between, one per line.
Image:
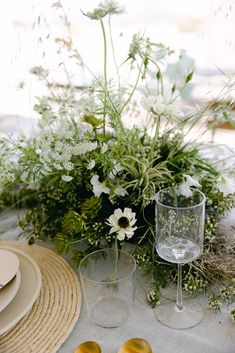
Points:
x=53 y=316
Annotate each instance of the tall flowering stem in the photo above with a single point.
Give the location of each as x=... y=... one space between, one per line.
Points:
x=156 y=134
x=133 y=89
x=105 y=73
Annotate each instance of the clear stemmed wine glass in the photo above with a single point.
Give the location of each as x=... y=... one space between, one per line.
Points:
x=179 y=239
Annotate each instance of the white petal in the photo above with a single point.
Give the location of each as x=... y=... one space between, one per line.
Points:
x=226 y=185
x=127 y=212
x=91 y=164
x=191 y=182
x=118 y=213
x=98 y=187
x=113 y=230
x=120 y=191
x=113 y=220
x=132 y=222
x=94 y=179
x=129 y=235
x=185 y=190
x=104 y=148
x=121 y=235
x=130 y=230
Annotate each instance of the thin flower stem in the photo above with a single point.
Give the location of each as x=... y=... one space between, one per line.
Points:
x=133 y=90
x=114 y=57
x=113 y=278
x=161 y=79
x=179 y=299
x=156 y=135
x=105 y=72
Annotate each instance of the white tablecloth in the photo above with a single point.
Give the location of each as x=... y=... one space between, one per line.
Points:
x=215 y=334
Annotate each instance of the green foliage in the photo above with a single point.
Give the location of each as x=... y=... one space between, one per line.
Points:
x=91 y=207
x=194 y=283
x=153 y=297
x=62 y=243
x=73 y=223
x=232 y=314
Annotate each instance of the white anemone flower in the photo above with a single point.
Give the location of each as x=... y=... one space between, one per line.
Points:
x=153 y=102
x=184 y=189
x=98 y=187
x=160 y=104
x=122 y=223
x=226 y=185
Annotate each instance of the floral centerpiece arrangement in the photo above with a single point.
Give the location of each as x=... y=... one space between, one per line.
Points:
x=89 y=178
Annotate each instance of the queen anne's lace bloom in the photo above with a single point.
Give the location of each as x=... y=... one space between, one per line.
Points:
x=68 y=166
x=57 y=166
x=66 y=178
x=84 y=147
x=56 y=147
x=107 y=7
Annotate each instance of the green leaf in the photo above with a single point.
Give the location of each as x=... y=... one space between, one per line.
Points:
x=189 y=77
x=158 y=75
x=91 y=119
x=62 y=243
x=73 y=222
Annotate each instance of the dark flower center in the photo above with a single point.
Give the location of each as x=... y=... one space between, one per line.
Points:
x=123 y=222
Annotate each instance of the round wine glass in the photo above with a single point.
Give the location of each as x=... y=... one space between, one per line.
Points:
x=180 y=233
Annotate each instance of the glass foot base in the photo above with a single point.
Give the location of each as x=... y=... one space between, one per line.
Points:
x=190 y=316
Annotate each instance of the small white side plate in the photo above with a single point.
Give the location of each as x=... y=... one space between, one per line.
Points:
x=9 y=265
x=27 y=293
x=8 y=292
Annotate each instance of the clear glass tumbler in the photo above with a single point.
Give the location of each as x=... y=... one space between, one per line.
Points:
x=108 y=286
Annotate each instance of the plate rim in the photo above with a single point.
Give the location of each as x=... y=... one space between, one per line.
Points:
x=16 y=267
x=15 y=290
x=36 y=293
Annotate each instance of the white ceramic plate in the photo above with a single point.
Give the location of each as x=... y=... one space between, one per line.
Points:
x=9 y=265
x=27 y=293
x=8 y=292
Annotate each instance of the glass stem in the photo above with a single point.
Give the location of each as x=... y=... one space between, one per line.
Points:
x=179 y=300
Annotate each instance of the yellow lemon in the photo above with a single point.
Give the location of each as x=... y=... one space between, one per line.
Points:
x=88 y=347
x=136 y=345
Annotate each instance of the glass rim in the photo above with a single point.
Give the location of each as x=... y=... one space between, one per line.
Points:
x=180 y=207
x=107 y=250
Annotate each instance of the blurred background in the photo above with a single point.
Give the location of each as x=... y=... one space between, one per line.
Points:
x=205 y=29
